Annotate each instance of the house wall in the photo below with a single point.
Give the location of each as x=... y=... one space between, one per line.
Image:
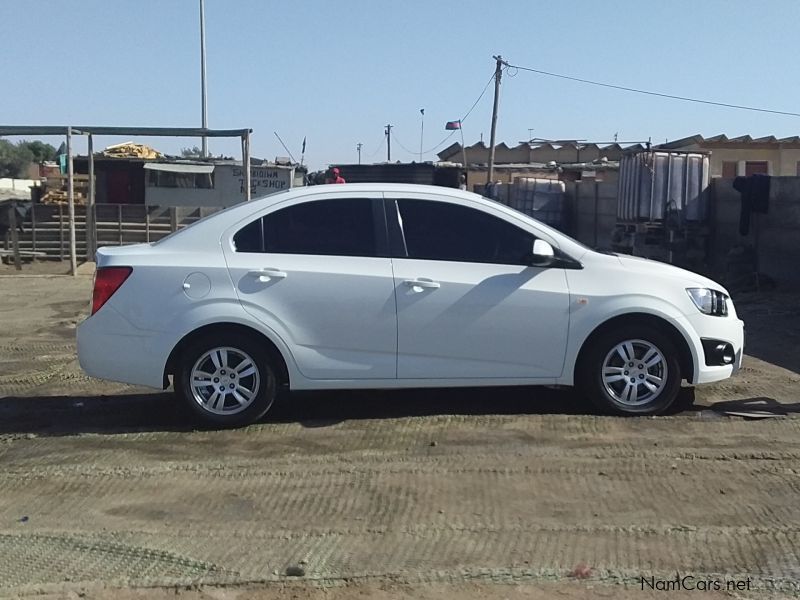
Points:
x=782 y=161
x=476 y=177
x=228 y=187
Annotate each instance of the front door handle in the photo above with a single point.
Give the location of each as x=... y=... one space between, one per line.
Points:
x=422 y=282
x=268 y=274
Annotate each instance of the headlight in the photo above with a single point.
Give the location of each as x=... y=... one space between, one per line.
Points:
x=710 y=302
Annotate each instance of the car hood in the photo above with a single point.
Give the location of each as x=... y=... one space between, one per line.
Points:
x=659 y=269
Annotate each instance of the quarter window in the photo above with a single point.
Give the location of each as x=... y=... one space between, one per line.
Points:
x=341 y=227
x=444 y=231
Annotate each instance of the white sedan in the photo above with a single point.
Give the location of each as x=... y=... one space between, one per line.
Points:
x=382 y=286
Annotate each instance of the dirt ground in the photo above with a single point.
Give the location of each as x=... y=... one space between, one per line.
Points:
x=107 y=491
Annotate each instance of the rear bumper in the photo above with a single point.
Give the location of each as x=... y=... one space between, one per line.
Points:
x=109 y=347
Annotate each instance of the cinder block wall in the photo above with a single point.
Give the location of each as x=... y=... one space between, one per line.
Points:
x=592 y=207
x=776 y=234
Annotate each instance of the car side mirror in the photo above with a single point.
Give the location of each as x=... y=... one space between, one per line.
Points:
x=543 y=254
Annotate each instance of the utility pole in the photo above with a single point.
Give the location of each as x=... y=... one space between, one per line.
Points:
x=421 y=132
x=498 y=73
x=530 y=133
x=203 y=73
x=389 y=143
x=358 y=147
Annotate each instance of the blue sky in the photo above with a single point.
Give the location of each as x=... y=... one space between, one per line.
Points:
x=337 y=72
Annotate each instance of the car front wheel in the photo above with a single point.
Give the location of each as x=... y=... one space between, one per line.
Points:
x=226 y=383
x=634 y=370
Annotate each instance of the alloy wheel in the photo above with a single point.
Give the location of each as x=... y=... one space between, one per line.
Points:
x=224 y=381
x=634 y=372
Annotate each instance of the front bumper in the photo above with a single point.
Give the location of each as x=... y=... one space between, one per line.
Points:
x=726 y=330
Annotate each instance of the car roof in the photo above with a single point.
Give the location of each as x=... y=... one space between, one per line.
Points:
x=372 y=187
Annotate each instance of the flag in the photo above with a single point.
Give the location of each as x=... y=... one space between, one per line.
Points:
x=451 y=125
x=304 y=145
x=422 y=111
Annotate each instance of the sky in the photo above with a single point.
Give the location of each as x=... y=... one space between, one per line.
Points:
x=336 y=73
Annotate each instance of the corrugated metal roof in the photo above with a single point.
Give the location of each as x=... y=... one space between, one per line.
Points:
x=179 y=167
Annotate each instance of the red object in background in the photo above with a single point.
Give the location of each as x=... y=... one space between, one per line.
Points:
x=107 y=280
x=451 y=125
x=336 y=177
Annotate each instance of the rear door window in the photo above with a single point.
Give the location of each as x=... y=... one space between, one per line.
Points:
x=339 y=227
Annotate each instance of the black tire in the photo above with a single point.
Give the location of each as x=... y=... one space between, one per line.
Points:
x=590 y=372
x=265 y=380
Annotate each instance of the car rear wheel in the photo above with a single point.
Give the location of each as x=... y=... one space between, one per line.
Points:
x=226 y=382
x=634 y=370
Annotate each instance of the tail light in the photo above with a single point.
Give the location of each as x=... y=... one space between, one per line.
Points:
x=107 y=281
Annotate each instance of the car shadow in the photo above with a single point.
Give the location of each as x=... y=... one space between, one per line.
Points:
x=162 y=412
x=149 y=412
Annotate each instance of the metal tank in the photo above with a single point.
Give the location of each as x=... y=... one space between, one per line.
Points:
x=656 y=185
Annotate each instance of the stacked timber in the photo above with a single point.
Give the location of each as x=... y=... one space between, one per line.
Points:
x=56 y=189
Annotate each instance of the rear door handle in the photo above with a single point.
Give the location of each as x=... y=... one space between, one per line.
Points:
x=422 y=282
x=267 y=274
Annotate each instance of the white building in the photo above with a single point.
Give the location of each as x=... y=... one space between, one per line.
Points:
x=215 y=183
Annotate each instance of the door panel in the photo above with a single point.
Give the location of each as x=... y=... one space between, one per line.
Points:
x=467 y=304
x=336 y=313
x=482 y=320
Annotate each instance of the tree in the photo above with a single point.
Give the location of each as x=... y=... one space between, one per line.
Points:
x=193 y=152
x=41 y=151
x=14 y=159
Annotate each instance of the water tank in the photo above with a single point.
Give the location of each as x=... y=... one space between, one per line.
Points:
x=542 y=199
x=655 y=185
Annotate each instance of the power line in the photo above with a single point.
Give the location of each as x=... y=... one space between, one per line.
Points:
x=471 y=108
x=649 y=93
x=380 y=146
x=394 y=137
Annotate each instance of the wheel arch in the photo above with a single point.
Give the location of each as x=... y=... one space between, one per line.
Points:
x=226 y=328
x=685 y=356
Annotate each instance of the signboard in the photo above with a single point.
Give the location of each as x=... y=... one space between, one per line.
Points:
x=264 y=180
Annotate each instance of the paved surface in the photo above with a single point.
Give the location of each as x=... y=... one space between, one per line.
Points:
x=403 y=494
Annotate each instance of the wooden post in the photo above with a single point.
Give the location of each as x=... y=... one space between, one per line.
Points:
x=147 y=224
x=73 y=258
x=33 y=226
x=91 y=236
x=119 y=222
x=12 y=206
x=61 y=231
x=246 y=164
x=173 y=219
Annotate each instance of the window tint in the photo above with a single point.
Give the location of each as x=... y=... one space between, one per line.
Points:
x=250 y=238
x=443 y=231
x=342 y=227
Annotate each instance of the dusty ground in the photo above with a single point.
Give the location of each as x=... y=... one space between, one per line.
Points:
x=475 y=494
